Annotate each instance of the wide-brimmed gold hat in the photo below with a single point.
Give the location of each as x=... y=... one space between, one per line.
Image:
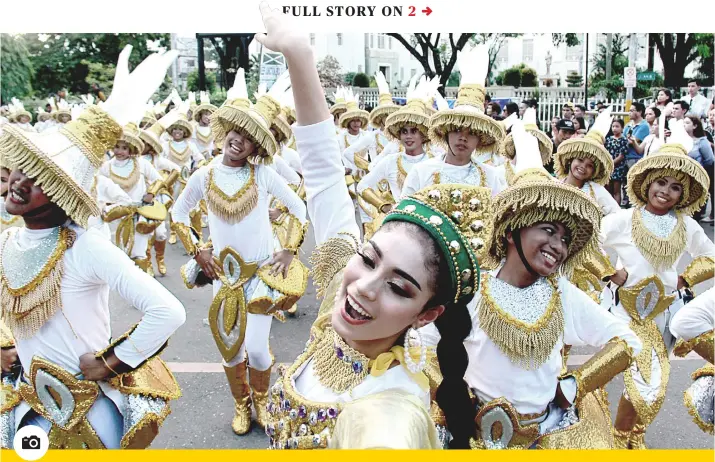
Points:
x=205 y=105
x=590 y=146
x=340 y=105
x=468 y=110
x=671 y=159
x=385 y=105
x=131 y=136
x=353 y=111
x=17 y=110
x=413 y=113
x=535 y=196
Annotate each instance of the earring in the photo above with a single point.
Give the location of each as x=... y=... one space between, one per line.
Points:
x=409 y=362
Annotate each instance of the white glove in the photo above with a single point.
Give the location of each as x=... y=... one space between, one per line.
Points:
x=130 y=92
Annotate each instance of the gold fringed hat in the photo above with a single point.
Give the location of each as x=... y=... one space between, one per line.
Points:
x=252 y=121
x=535 y=196
x=590 y=146
x=149 y=118
x=42 y=115
x=17 y=110
x=339 y=107
x=468 y=111
x=63 y=163
x=182 y=122
x=413 y=113
x=385 y=105
x=353 y=111
x=152 y=135
x=62 y=108
x=279 y=124
x=131 y=136
x=546 y=146
x=671 y=159
x=204 y=106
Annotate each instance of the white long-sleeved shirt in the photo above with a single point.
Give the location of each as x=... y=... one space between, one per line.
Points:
x=180 y=147
x=604 y=199
x=160 y=163
x=205 y=149
x=423 y=175
x=387 y=169
x=252 y=237
x=123 y=168
x=92 y=267
x=493 y=375
x=695 y=318
x=279 y=165
x=352 y=144
x=292 y=158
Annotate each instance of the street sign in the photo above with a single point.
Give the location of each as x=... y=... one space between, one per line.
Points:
x=630 y=77
x=272 y=66
x=647 y=76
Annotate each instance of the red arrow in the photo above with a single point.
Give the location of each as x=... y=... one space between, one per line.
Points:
x=427 y=11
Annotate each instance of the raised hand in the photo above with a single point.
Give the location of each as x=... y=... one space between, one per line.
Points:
x=281 y=35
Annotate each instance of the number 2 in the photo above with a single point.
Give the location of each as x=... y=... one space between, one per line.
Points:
x=412 y=11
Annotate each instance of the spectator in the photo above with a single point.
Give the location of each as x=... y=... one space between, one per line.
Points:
x=617 y=146
x=579 y=126
x=600 y=106
x=493 y=109
x=564 y=130
x=635 y=132
x=698 y=103
x=567 y=111
x=703 y=153
x=680 y=108
x=649 y=144
x=523 y=106
x=487 y=100
x=664 y=101
x=511 y=108
x=554 y=130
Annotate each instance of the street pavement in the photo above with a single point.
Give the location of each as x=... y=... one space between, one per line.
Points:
x=201 y=418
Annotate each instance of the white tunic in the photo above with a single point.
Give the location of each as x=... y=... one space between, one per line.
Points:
x=422 y=176
x=695 y=318
x=331 y=212
x=205 y=149
x=292 y=158
x=181 y=146
x=124 y=168
x=387 y=169
x=160 y=163
x=492 y=374
x=604 y=199
x=279 y=165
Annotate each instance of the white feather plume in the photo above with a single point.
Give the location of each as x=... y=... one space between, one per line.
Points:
x=442 y=103
x=509 y=121
x=239 y=89
x=412 y=86
x=526 y=147
x=678 y=135
x=603 y=122
x=280 y=86
x=474 y=64
x=530 y=116
x=382 y=85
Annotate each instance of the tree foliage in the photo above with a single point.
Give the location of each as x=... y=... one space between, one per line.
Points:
x=677 y=51
x=192 y=81
x=574 y=79
x=15 y=68
x=520 y=75
x=330 y=72
x=361 y=80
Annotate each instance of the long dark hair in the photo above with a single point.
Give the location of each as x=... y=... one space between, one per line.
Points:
x=698 y=130
x=454 y=325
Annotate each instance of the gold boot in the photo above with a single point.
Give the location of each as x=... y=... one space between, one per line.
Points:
x=626 y=419
x=172 y=238
x=150 y=266
x=638 y=437
x=160 y=248
x=142 y=263
x=238 y=382
x=260 y=381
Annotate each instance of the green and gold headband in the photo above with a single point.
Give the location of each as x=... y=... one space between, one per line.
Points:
x=456 y=216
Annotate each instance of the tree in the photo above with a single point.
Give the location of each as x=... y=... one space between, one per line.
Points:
x=520 y=75
x=574 y=79
x=529 y=77
x=192 y=81
x=329 y=71
x=677 y=51
x=349 y=78
x=454 y=79
x=15 y=68
x=496 y=42
x=101 y=74
x=361 y=80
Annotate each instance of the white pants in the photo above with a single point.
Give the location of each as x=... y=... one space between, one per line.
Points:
x=160 y=234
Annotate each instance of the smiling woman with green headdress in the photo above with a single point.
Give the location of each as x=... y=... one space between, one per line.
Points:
x=376 y=295
x=525 y=312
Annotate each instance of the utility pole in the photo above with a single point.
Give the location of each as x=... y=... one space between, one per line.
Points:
x=609 y=51
x=632 y=53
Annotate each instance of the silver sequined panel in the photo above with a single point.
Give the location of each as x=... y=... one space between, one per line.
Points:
x=472 y=177
x=702 y=392
x=660 y=225
x=528 y=304
x=21 y=266
x=230 y=180
x=138 y=406
x=7 y=423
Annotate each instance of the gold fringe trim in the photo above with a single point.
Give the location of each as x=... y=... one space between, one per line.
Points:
x=379 y=115
x=55 y=182
x=179 y=158
x=399 y=119
x=699 y=270
x=280 y=124
x=229 y=118
x=532 y=201
x=204 y=139
x=401 y=172
x=94 y=133
x=676 y=163
x=526 y=345
x=489 y=131
x=25 y=310
x=232 y=209
x=329 y=258
x=336 y=373
x=662 y=253
x=546 y=146
x=345 y=119
x=584 y=148
x=126 y=183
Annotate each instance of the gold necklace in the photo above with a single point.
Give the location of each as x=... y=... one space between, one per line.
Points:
x=179 y=157
x=337 y=365
x=128 y=182
x=437 y=178
x=527 y=345
x=662 y=253
x=235 y=208
x=204 y=139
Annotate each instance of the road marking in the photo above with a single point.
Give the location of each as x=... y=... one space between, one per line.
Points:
x=196 y=368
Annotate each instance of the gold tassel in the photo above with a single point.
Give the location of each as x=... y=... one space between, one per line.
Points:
x=229 y=118
x=179 y=158
x=26 y=309
x=55 y=183
x=232 y=209
x=329 y=258
x=528 y=346
x=662 y=253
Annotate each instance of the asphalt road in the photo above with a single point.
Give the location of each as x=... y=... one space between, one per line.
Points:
x=201 y=418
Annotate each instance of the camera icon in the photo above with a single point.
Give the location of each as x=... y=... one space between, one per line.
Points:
x=31 y=442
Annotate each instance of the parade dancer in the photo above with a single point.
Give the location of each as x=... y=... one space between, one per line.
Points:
x=417 y=268
x=523 y=314
x=44 y=120
x=203 y=136
x=385 y=107
x=546 y=146
x=250 y=282
x=693 y=325
x=339 y=107
x=19 y=117
x=56 y=277
x=650 y=240
x=463 y=130
x=409 y=126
